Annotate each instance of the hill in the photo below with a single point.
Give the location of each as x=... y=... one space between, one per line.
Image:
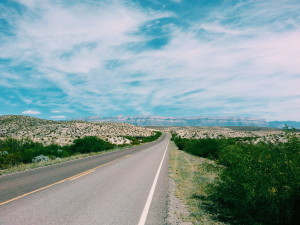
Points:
x=64 y=132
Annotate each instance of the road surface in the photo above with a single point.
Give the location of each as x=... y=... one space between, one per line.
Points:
x=124 y=187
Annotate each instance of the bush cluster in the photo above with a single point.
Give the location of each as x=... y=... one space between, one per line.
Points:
x=260 y=183
x=208 y=147
x=90 y=144
x=136 y=140
x=14 y=151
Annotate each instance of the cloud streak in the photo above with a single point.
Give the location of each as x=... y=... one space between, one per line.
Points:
x=58 y=117
x=31 y=112
x=110 y=58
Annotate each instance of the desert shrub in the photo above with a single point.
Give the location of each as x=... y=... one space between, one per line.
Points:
x=40 y=158
x=10 y=159
x=207 y=148
x=181 y=143
x=90 y=144
x=136 y=140
x=14 y=151
x=27 y=143
x=152 y=138
x=55 y=151
x=29 y=154
x=133 y=140
x=261 y=182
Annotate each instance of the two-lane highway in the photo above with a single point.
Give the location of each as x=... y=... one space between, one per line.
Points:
x=124 y=187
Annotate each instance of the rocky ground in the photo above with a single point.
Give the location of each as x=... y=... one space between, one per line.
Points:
x=64 y=132
x=219 y=132
x=176 y=208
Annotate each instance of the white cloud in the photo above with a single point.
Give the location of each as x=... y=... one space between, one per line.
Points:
x=57 y=117
x=249 y=66
x=31 y=112
x=55 y=111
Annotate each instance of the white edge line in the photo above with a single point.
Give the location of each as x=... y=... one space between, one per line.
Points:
x=150 y=196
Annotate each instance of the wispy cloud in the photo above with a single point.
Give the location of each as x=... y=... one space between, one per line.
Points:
x=55 y=111
x=111 y=57
x=31 y=112
x=58 y=117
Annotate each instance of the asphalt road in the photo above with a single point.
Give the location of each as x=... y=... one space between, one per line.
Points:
x=114 y=188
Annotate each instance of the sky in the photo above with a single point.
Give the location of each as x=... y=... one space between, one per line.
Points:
x=62 y=59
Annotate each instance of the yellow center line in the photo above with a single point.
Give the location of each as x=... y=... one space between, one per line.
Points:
x=69 y=178
x=126 y=156
x=29 y=193
x=81 y=175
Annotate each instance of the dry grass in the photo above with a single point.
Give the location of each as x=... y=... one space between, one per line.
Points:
x=192 y=174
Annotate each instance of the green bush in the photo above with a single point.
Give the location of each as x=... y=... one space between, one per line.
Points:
x=136 y=140
x=90 y=144
x=208 y=148
x=261 y=182
x=57 y=151
x=9 y=159
x=29 y=154
x=181 y=143
x=14 y=151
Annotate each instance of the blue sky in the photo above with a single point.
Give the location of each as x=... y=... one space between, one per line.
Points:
x=63 y=59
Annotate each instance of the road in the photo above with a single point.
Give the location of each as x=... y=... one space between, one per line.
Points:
x=124 y=187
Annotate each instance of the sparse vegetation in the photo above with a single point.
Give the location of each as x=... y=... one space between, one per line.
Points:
x=222 y=132
x=63 y=133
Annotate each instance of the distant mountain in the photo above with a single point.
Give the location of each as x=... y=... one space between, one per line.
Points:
x=192 y=121
x=280 y=124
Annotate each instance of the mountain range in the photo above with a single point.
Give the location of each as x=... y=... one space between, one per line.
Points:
x=192 y=121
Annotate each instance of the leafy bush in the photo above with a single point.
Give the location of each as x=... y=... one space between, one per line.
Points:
x=90 y=144
x=136 y=140
x=208 y=148
x=9 y=159
x=260 y=183
x=14 y=151
x=57 y=151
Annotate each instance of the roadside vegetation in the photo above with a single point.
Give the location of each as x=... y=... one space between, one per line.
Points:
x=259 y=182
x=192 y=175
x=20 y=154
x=136 y=140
